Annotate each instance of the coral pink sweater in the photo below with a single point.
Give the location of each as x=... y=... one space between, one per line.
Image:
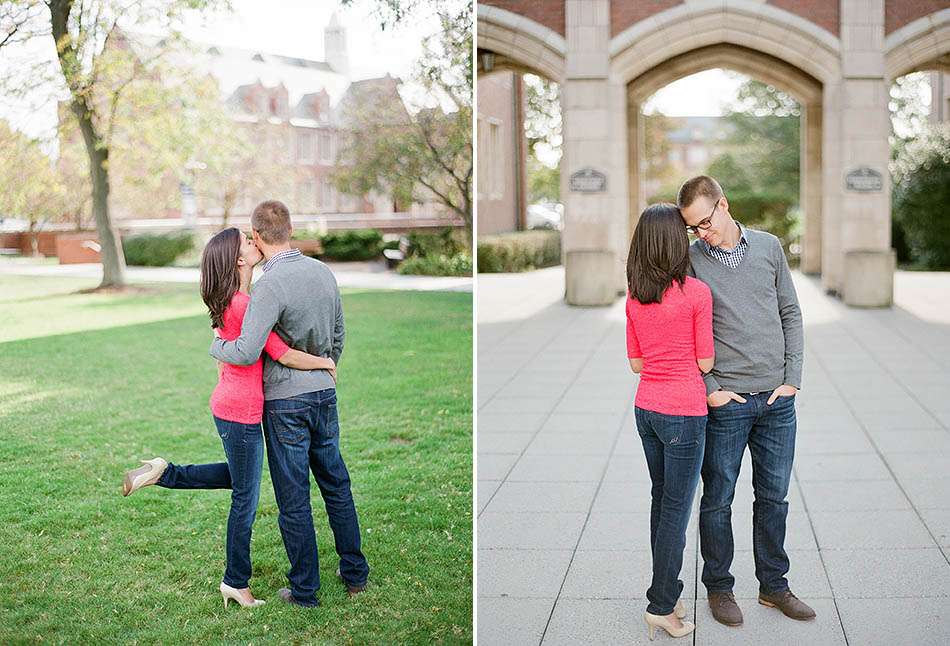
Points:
x=239 y=395
x=670 y=336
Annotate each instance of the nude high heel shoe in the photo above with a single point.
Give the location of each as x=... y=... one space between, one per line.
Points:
x=230 y=593
x=144 y=475
x=659 y=621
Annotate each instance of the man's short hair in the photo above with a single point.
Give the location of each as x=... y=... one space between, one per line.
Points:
x=699 y=186
x=271 y=220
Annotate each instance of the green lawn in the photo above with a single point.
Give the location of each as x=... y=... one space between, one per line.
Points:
x=89 y=384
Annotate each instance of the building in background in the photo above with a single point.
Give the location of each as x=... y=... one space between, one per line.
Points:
x=501 y=192
x=691 y=144
x=294 y=111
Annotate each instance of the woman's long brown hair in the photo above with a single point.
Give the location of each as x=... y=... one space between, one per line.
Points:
x=219 y=273
x=659 y=253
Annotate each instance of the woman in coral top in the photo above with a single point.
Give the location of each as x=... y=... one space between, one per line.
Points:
x=669 y=341
x=237 y=405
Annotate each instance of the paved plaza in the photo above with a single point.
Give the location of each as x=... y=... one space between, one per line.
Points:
x=563 y=489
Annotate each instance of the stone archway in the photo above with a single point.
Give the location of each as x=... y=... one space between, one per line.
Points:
x=801 y=86
x=597 y=99
x=518 y=43
x=921 y=44
x=836 y=58
x=507 y=42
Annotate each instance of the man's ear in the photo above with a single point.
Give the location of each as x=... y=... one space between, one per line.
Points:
x=725 y=203
x=256 y=237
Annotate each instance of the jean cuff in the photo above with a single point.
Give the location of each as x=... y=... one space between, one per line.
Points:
x=655 y=610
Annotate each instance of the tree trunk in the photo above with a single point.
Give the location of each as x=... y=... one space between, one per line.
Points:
x=34 y=243
x=113 y=261
x=230 y=198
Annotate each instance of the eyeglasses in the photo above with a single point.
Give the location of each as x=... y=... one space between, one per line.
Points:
x=703 y=224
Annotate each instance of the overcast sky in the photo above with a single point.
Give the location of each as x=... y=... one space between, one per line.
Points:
x=288 y=27
x=705 y=94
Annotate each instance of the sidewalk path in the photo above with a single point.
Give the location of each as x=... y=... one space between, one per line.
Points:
x=563 y=490
x=351 y=275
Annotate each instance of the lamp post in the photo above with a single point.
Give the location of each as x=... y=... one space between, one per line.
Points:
x=189 y=203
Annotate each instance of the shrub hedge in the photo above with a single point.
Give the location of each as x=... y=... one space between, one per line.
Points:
x=921 y=194
x=156 y=249
x=519 y=251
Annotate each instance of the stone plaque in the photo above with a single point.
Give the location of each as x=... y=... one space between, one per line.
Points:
x=864 y=180
x=588 y=180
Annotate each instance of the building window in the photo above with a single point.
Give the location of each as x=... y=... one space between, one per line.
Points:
x=481 y=184
x=306 y=141
x=496 y=171
x=327 y=148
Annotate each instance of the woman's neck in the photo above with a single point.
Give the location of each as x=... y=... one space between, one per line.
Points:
x=246 y=273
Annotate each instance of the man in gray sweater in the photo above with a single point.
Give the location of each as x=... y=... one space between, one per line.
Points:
x=759 y=342
x=298 y=297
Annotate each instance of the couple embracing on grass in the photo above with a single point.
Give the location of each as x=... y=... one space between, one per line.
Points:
x=715 y=330
x=295 y=304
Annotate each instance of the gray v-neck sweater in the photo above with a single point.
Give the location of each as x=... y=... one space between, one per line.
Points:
x=299 y=299
x=757 y=322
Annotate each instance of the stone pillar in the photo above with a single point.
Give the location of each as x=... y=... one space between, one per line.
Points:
x=592 y=263
x=863 y=212
x=810 y=191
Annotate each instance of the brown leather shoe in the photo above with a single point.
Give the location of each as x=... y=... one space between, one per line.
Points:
x=285 y=595
x=351 y=590
x=789 y=604
x=724 y=608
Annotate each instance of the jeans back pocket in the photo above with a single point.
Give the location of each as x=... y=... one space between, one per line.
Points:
x=291 y=426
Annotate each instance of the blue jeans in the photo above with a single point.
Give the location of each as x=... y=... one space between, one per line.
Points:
x=243 y=447
x=673 y=445
x=303 y=435
x=769 y=432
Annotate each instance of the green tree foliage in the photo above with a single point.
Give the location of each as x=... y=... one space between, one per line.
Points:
x=766 y=128
x=908 y=109
x=656 y=152
x=727 y=169
x=760 y=175
x=544 y=182
x=542 y=119
x=921 y=194
x=29 y=186
x=421 y=156
x=97 y=65
x=542 y=124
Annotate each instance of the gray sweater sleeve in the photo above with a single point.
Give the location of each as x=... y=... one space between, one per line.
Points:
x=791 y=314
x=339 y=331
x=260 y=318
x=711 y=384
